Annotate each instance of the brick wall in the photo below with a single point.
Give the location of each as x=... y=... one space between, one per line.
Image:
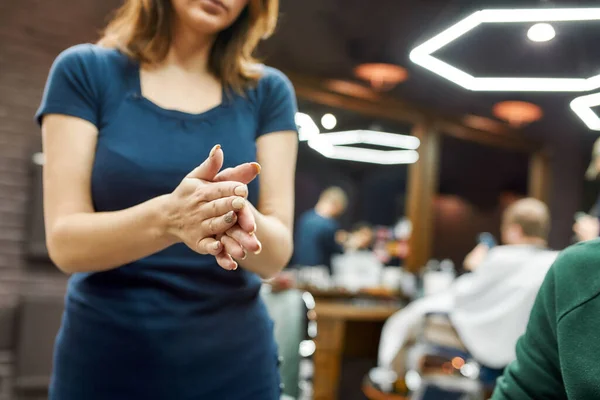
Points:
x=32 y=33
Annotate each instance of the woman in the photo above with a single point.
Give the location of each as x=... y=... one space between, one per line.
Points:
x=156 y=307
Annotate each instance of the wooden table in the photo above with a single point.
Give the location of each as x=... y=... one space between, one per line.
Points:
x=334 y=338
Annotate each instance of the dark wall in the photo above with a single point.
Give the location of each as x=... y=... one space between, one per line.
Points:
x=376 y=192
x=475 y=183
x=32 y=33
x=564 y=144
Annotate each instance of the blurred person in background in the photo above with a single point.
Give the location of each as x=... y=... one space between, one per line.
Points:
x=488 y=308
x=157 y=307
x=587 y=226
x=358 y=267
x=318 y=235
x=360 y=238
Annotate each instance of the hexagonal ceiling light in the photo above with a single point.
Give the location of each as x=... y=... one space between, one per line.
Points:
x=582 y=107
x=422 y=54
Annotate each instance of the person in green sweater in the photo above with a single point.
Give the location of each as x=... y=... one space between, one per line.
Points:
x=558 y=356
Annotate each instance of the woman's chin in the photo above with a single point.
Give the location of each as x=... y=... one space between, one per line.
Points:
x=205 y=23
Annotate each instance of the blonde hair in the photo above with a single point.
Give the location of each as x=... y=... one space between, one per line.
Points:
x=142 y=30
x=531 y=215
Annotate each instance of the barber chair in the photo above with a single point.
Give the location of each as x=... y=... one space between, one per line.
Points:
x=435 y=366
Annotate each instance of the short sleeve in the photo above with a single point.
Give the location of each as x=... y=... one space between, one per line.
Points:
x=72 y=87
x=278 y=103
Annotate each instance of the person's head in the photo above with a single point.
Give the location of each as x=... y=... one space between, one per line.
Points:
x=594 y=168
x=144 y=30
x=526 y=221
x=332 y=202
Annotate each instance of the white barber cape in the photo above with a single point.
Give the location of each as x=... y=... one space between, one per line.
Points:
x=489 y=308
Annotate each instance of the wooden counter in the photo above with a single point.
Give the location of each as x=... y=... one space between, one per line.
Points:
x=345 y=326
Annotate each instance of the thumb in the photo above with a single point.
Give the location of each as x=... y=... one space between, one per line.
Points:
x=210 y=167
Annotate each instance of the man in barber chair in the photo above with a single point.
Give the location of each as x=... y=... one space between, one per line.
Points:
x=488 y=309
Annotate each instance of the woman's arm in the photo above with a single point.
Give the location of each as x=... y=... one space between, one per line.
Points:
x=276 y=153
x=81 y=240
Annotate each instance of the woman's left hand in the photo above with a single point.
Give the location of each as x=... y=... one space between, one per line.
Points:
x=239 y=240
x=238 y=243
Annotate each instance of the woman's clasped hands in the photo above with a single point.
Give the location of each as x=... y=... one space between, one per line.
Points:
x=209 y=211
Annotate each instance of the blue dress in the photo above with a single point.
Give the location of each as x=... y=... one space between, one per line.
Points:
x=174 y=325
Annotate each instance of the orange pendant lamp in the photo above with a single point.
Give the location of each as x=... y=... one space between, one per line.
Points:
x=518 y=113
x=382 y=77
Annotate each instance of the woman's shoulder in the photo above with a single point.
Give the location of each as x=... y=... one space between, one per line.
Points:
x=271 y=79
x=91 y=59
x=271 y=74
x=576 y=274
x=274 y=98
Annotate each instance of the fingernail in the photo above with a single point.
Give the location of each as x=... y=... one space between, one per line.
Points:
x=238 y=203
x=257 y=166
x=241 y=191
x=229 y=217
x=259 y=248
x=245 y=255
x=216 y=245
x=235 y=265
x=214 y=150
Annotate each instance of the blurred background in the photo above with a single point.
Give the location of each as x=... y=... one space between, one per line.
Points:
x=471 y=151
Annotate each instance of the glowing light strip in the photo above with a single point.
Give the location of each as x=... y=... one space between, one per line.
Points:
x=332 y=145
x=540 y=15
x=387 y=157
x=582 y=107
x=307 y=128
x=421 y=55
x=375 y=138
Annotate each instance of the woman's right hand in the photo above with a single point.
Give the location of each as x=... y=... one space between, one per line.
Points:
x=198 y=210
